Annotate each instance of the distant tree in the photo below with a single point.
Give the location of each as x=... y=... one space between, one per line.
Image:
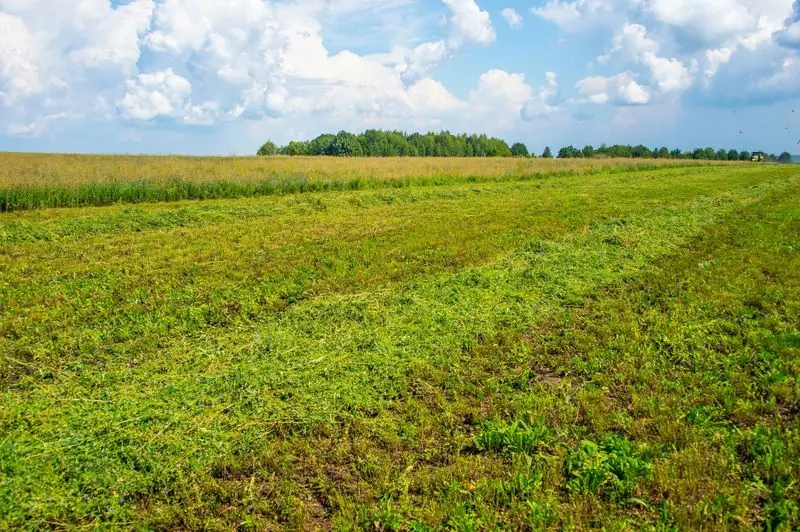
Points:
x=663 y=153
x=744 y=156
x=268 y=148
x=295 y=148
x=345 y=145
x=588 y=151
x=547 y=153
x=676 y=154
x=785 y=157
x=641 y=152
x=620 y=150
x=772 y=158
x=321 y=145
x=519 y=150
x=375 y=143
x=569 y=152
x=733 y=155
x=721 y=155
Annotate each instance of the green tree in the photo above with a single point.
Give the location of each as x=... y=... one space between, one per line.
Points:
x=744 y=156
x=785 y=157
x=345 y=145
x=733 y=155
x=268 y=148
x=295 y=148
x=721 y=155
x=588 y=151
x=321 y=145
x=568 y=152
x=519 y=150
x=663 y=153
x=547 y=154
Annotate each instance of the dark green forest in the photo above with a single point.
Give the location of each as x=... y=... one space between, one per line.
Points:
x=375 y=143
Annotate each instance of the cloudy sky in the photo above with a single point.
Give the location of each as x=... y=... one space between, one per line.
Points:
x=220 y=77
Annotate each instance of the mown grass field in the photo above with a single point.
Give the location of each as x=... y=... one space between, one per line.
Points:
x=578 y=348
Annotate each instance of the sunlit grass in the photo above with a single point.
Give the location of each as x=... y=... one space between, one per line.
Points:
x=613 y=349
x=31 y=181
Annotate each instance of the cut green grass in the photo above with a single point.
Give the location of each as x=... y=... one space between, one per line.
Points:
x=614 y=350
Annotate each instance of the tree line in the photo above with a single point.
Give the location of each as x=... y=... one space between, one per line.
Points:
x=640 y=152
x=376 y=143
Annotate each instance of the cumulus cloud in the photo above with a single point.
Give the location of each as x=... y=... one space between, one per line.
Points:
x=545 y=101
x=789 y=35
x=164 y=94
x=19 y=56
x=633 y=45
x=621 y=89
x=512 y=18
x=114 y=40
x=57 y=58
x=578 y=15
x=202 y=61
x=715 y=58
x=429 y=95
x=423 y=59
x=786 y=80
x=470 y=23
x=708 y=32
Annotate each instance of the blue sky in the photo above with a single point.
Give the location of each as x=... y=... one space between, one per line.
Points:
x=213 y=77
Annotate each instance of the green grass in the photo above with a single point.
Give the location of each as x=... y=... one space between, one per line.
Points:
x=617 y=349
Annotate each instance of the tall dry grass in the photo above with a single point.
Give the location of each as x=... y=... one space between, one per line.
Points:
x=29 y=181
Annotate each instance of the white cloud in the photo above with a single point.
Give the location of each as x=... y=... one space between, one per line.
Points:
x=499 y=98
x=631 y=42
x=633 y=45
x=469 y=23
x=164 y=95
x=705 y=30
x=789 y=35
x=619 y=89
x=19 y=75
x=114 y=41
x=544 y=102
x=499 y=85
x=563 y=14
x=715 y=22
x=577 y=15
x=785 y=80
x=715 y=58
x=428 y=95
x=423 y=59
x=513 y=19
x=710 y=21
x=670 y=75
